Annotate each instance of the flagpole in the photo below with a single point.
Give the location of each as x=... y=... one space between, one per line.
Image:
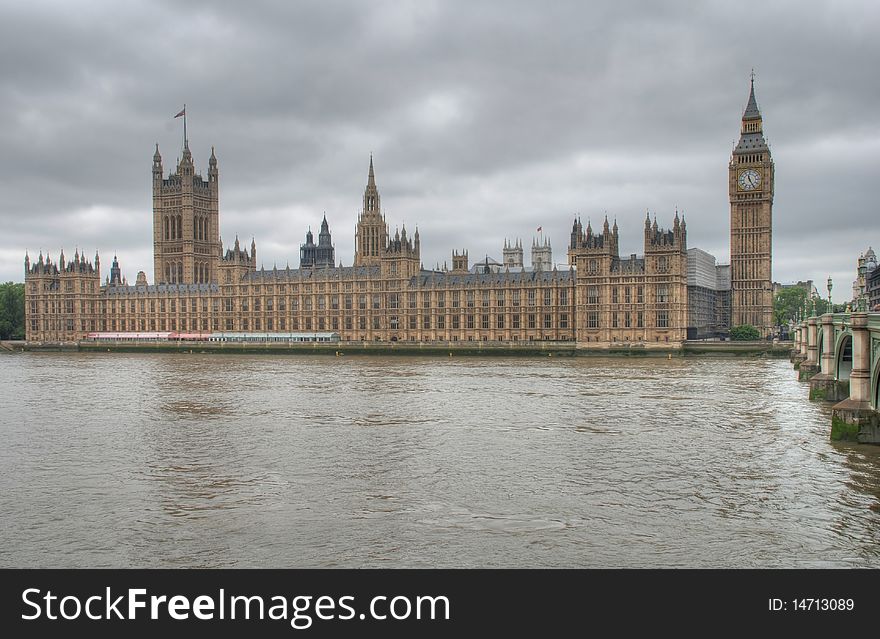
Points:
x=184 y=126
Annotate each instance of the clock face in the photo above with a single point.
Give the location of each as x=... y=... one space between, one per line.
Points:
x=749 y=180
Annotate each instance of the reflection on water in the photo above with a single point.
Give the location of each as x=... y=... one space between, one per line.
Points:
x=212 y=460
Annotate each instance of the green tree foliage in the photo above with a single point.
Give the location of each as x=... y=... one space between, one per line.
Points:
x=788 y=305
x=11 y=311
x=744 y=333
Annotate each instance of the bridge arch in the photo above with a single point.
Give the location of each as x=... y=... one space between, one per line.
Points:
x=843 y=360
x=875 y=379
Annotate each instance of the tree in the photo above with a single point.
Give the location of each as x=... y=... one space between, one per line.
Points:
x=11 y=311
x=744 y=333
x=788 y=305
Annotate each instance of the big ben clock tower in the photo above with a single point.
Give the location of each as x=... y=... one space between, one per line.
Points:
x=750 y=183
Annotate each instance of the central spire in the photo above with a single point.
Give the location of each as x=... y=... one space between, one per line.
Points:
x=371 y=193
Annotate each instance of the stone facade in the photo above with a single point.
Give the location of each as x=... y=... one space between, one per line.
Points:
x=634 y=300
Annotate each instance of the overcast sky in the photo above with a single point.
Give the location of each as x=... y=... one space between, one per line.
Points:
x=486 y=120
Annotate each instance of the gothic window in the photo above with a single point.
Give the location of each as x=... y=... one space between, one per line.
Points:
x=662 y=264
x=594 y=266
x=563 y=297
x=179 y=272
x=516 y=320
x=563 y=320
x=662 y=294
x=592 y=295
x=640 y=295
x=531 y=297
x=593 y=319
x=499 y=298
x=167 y=236
x=179 y=227
x=455 y=299
x=441 y=322
x=662 y=319
x=627 y=295
x=515 y=300
x=441 y=299
x=531 y=320
x=614 y=296
x=614 y=320
x=485 y=298
x=627 y=320
x=484 y=321
x=640 y=319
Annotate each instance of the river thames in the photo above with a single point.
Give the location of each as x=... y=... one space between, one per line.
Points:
x=175 y=460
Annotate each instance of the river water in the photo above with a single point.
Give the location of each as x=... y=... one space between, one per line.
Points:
x=172 y=460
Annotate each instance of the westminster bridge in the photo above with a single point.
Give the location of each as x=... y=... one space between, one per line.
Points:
x=839 y=354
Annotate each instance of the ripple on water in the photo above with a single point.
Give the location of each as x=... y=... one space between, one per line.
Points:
x=212 y=461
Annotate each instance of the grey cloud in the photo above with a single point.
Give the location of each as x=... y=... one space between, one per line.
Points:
x=486 y=120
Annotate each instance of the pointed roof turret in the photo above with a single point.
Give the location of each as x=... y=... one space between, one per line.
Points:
x=371 y=178
x=752 y=112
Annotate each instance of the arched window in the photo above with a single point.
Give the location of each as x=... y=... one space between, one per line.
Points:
x=179 y=272
x=179 y=227
x=167 y=236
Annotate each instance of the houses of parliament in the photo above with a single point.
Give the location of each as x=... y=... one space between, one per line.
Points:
x=598 y=299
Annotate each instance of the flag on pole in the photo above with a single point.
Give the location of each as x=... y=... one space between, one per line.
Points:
x=182 y=112
x=540 y=228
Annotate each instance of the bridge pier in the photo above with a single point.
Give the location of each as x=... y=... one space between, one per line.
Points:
x=823 y=385
x=801 y=355
x=810 y=366
x=796 y=346
x=853 y=419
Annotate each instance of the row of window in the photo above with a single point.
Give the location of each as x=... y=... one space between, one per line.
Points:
x=662 y=294
x=625 y=320
x=530 y=321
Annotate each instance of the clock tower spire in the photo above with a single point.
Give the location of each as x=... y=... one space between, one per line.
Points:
x=750 y=185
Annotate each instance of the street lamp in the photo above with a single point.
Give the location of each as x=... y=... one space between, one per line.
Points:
x=830 y=303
